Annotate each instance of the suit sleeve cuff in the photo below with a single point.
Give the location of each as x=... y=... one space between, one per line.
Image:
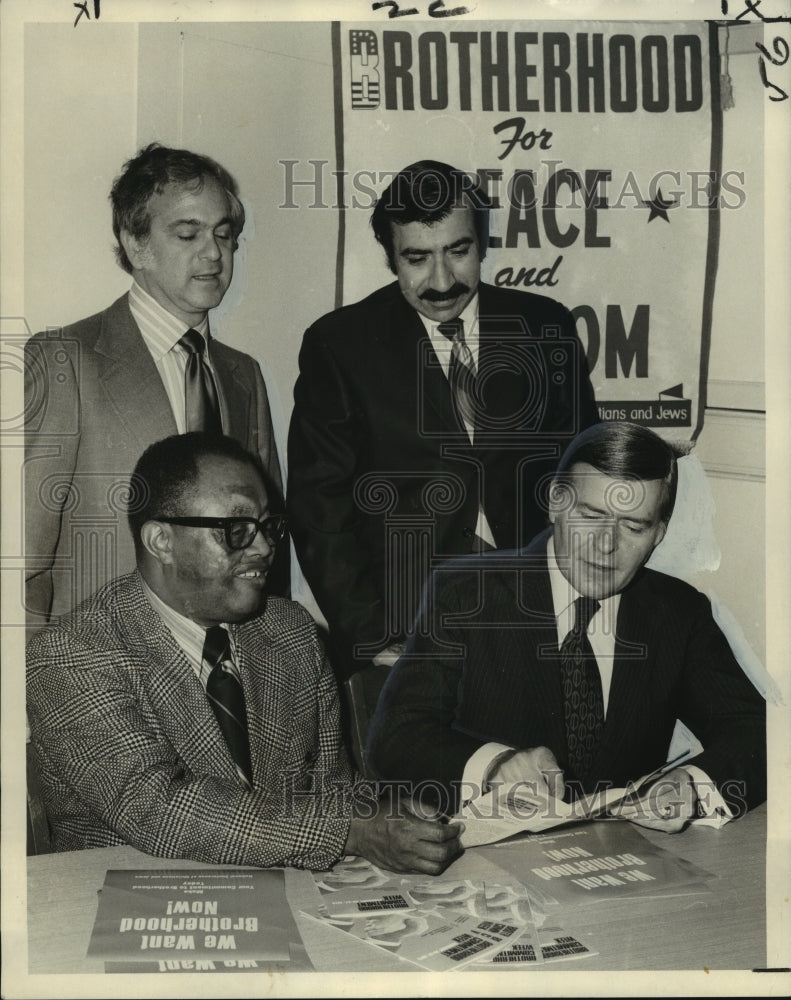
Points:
x=713 y=810
x=475 y=779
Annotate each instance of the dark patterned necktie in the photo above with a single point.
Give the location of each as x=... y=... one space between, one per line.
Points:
x=200 y=393
x=461 y=372
x=227 y=699
x=582 y=692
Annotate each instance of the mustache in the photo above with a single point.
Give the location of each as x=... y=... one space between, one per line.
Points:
x=456 y=289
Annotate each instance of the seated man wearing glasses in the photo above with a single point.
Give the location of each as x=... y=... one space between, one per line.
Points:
x=184 y=711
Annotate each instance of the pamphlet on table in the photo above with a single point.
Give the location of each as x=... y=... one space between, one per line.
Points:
x=218 y=919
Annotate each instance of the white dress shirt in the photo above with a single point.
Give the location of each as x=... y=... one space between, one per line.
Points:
x=190 y=637
x=161 y=332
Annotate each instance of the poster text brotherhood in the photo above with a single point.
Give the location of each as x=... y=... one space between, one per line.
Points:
x=599 y=148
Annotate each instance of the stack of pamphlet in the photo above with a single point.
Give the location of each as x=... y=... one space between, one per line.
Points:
x=496 y=921
x=196 y=920
x=439 y=924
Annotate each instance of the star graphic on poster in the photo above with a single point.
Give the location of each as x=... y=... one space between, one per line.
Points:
x=659 y=206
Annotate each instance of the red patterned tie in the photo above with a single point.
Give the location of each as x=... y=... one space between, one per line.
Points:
x=582 y=693
x=227 y=699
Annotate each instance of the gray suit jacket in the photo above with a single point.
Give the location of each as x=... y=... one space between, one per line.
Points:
x=94 y=402
x=130 y=750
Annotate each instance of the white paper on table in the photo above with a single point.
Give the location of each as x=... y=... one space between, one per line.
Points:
x=511 y=809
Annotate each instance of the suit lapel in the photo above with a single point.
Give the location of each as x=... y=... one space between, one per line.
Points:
x=234 y=393
x=130 y=378
x=634 y=643
x=540 y=645
x=414 y=362
x=267 y=688
x=134 y=386
x=186 y=716
x=529 y=708
x=505 y=387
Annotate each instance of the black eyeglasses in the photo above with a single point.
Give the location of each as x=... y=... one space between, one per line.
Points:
x=240 y=532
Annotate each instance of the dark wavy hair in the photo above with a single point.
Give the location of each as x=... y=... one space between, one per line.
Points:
x=625 y=451
x=426 y=192
x=147 y=174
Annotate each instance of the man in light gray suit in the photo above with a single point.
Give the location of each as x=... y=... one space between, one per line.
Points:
x=101 y=390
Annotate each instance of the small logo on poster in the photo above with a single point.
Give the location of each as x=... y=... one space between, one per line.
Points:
x=671 y=409
x=363 y=60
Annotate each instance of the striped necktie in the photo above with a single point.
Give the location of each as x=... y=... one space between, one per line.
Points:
x=200 y=393
x=582 y=692
x=227 y=699
x=461 y=372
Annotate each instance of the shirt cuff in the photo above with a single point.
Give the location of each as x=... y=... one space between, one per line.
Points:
x=713 y=810
x=474 y=780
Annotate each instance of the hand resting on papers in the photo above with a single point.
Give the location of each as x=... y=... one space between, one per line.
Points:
x=396 y=838
x=526 y=790
x=667 y=804
x=536 y=767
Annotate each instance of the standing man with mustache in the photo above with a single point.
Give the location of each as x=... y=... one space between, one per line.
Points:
x=426 y=417
x=99 y=391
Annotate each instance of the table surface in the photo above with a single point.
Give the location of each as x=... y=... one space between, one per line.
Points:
x=722 y=929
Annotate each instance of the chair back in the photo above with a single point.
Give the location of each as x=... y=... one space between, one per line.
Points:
x=361 y=692
x=38 y=833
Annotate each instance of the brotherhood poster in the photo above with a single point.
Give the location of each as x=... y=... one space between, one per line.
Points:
x=600 y=148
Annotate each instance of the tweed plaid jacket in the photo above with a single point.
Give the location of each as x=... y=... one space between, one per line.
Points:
x=130 y=750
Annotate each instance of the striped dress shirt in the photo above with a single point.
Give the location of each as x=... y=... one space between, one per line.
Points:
x=190 y=637
x=161 y=332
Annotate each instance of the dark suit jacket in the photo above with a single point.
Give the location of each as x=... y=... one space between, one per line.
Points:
x=130 y=750
x=383 y=479
x=483 y=666
x=94 y=402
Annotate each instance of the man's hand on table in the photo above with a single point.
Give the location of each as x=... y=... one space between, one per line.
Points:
x=669 y=804
x=535 y=770
x=397 y=839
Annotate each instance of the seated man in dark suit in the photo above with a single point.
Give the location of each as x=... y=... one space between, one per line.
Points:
x=183 y=711
x=101 y=390
x=567 y=663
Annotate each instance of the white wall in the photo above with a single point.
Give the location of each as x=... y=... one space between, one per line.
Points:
x=79 y=123
x=285 y=269
x=731 y=446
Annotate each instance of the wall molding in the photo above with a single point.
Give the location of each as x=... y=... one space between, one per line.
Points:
x=732 y=445
x=736 y=394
